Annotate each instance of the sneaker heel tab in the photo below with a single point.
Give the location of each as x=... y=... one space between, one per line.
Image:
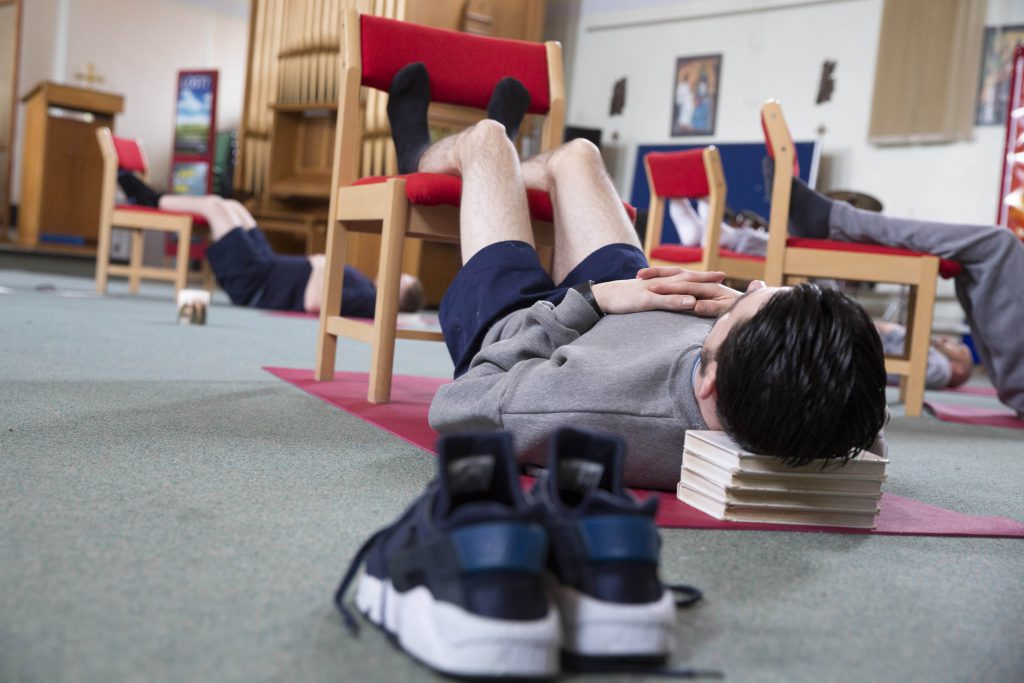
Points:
x=601 y=447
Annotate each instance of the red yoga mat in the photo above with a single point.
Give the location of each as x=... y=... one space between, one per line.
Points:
x=975 y=415
x=406 y=418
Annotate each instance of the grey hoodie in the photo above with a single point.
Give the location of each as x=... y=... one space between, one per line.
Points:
x=547 y=366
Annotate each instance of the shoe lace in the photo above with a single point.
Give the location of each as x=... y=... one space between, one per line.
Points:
x=686 y=595
x=351 y=623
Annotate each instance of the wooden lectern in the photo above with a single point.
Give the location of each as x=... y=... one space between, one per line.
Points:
x=62 y=169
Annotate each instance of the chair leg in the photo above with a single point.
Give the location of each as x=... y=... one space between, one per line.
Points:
x=330 y=301
x=135 y=261
x=385 y=321
x=181 y=264
x=209 y=281
x=103 y=258
x=919 y=330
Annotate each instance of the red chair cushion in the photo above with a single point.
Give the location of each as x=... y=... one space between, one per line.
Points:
x=947 y=268
x=680 y=254
x=434 y=189
x=129 y=155
x=197 y=219
x=679 y=174
x=463 y=68
x=196 y=251
x=677 y=253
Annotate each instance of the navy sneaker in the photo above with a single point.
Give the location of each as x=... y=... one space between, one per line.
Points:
x=458 y=579
x=604 y=556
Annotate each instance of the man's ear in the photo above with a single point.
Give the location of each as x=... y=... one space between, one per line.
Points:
x=708 y=384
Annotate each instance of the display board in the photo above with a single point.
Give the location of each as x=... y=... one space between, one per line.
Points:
x=743 y=164
x=195 y=130
x=1011 y=191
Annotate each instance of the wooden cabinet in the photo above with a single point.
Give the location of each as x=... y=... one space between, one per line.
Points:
x=61 y=166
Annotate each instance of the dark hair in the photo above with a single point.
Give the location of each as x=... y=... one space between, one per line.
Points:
x=804 y=378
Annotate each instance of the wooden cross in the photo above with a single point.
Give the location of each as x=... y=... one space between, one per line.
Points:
x=90 y=76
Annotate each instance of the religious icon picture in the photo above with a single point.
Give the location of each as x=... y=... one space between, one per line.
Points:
x=996 y=65
x=695 y=97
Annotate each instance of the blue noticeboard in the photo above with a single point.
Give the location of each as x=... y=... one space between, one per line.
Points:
x=742 y=163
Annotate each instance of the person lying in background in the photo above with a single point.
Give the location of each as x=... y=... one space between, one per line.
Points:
x=249 y=270
x=991 y=257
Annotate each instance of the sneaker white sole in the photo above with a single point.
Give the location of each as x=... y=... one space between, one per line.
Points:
x=450 y=639
x=596 y=628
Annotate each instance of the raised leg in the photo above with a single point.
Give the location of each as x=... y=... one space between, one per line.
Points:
x=588 y=212
x=214 y=209
x=242 y=217
x=992 y=259
x=494 y=207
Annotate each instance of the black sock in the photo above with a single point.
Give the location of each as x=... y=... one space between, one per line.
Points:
x=809 y=212
x=408 y=100
x=509 y=102
x=138 y=192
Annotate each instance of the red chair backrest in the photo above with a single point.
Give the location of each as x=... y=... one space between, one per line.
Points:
x=463 y=68
x=129 y=155
x=768 y=144
x=678 y=174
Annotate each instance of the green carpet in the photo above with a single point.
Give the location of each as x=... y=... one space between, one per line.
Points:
x=170 y=512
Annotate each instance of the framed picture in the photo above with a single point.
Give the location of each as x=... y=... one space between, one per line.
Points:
x=190 y=177
x=695 y=95
x=996 y=65
x=196 y=113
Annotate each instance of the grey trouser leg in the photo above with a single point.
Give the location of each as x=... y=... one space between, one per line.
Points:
x=989 y=288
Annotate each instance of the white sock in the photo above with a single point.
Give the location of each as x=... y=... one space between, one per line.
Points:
x=689 y=225
x=313 y=295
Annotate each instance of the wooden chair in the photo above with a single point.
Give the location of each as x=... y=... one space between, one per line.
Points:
x=794 y=258
x=463 y=70
x=692 y=174
x=128 y=155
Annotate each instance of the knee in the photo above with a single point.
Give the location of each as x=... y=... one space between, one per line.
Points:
x=576 y=154
x=486 y=137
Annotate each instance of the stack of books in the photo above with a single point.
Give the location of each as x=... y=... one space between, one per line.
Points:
x=724 y=481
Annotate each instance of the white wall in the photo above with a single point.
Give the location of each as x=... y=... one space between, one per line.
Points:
x=137 y=46
x=774 y=48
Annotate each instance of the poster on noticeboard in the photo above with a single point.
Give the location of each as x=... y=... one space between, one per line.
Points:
x=1011 y=191
x=195 y=129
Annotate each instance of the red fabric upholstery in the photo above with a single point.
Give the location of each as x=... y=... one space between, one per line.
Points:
x=768 y=144
x=678 y=174
x=677 y=253
x=947 y=268
x=129 y=155
x=197 y=219
x=680 y=254
x=463 y=68
x=434 y=189
x=196 y=251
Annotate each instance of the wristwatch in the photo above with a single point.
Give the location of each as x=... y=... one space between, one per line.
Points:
x=586 y=290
